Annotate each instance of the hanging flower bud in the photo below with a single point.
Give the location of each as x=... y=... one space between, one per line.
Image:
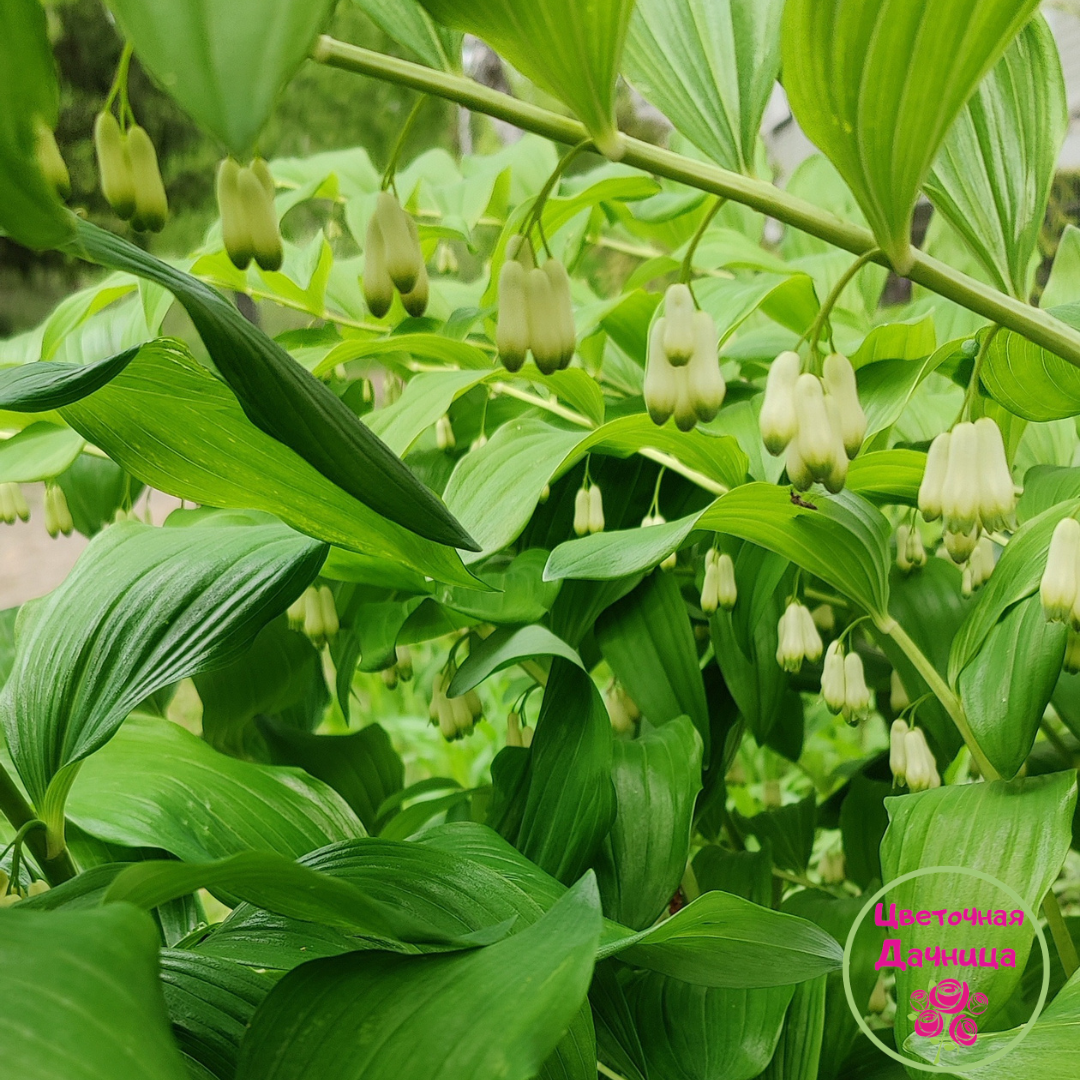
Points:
x=661 y=380
x=960 y=545
x=438 y=695
x=582 y=505
x=297 y=608
x=705 y=384
x=12 y=504
x=837 y=476
x=621 y=709
x=824 y=618
x=378 y=285
x=329 y=613
x=798 y=474
x=933 y=482
x=727 y=592
x=404 y=662
x=966 y=585
x=1058 y=588
x=686 y=417
x=903 y=563
x=997 y=496
x=512 y=332
x=544 y=322
x=563 y=307
x=390 y=677
x=816 y=439
x=898 y=698
x=710 y=587
x=476 y=707
x=898 y=751
x=856 y=692
x=879 y=999
x=57 y=515
x=811 y=639
x=679 y=336
x=9 y=900
x=981 y=564
x=1071 y=662
x=526 y=736
x=50 y=160
x=798 y=637
x=444 y=433
x=151 y=203
x=839 y=378
x=234 y=224
x=114 y=165
x=403 y=258
x=916 y=552
x=921 y=769
x=778 y=421
x=596 y=509
x=415 y=301
x=513 y=730
x=255 y=186
x=37 y=888
x=670 y=562
x=961 y=491
x=313 y=617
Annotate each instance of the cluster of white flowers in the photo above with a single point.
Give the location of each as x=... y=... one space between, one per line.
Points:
x=455 y=716
x=910 y=759
x=967 y=483
x=718 y=589
x=589 y=510
x=682 y=371
x=818 y=422
x=798 y=637
x=517 y=734
x=13 y=504
x=843 y=684
x=910 y=553
x=979 y=567
x=315 y=613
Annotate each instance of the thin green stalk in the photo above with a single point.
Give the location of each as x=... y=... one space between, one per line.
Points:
x=942 y=692
x=399 y=144
x=1063 y=942
x=537 y=211
x=1055 y=740
x=825 y=311
x=687 y=271
x=984 y=300
x=18 y=812
x=976 y=371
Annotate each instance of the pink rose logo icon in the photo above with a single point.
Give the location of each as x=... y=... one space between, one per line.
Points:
x=950 y=996
x=978 y=1005
x=963 y=1030
x=929 y=1024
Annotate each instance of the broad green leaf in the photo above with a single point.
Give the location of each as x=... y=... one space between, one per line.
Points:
x=863 y=821
x=506 y=646
x=363 y=768
x=40 y=387
x=1063 y=285
x=210 y=1003
x=30 y=212
x=878 y=86
x=789 y=830
x=888 y=477
x=789 y=299
x=410 y=26
x=743 y=873
x=1016 y=576
x=520 y=593
x=1017 y=831
x=81 y=997
x=709 y=68
x=570 y=803
x=992 y=178
x=696 y=1033
x=844 y=541
x=1029 y=381
x=1045 y=486
x=143 y=608
x=41 y=451
x=648 y=641
x=281 y=397
x=912 y=339
x=224 y=62
x=168 y=421
x=799 y=1048
x=430 y=348
x=492 y=1013
x=886 y=387
x=95 y=488
x=1007 y=686
x=608 y=556
x=569 y=49
x=1052 y=1041
x=657 y=777
x=156 y=785
x=281 y=674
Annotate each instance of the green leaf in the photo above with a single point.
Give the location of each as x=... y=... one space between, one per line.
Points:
x=1016 y=576
x=648 y=641
x=1063 y=285
x=742 y=873
x=410 y=26
x=844 y=541
x=799 y=1048
x=142 y=609
x=40 y=387
x=863 y=821
x=1007 y=686
x=1017 y=831
x=280 y=673
x=790 y=831
x=568 y=49
x=95 y=488
x=210 y=1003
x=168 y=421
x=710 y=69
x=888 y=477
x=523 y=595
x=156 y=785
x=657 y=777
x=1029 y=381
x=992 y=178
x=225 y=63
x=1051 y=1041
x=82 y=998
x=41 y=451
x=607 y=556
x=363 y=768
x=283 y=398
x=570 y=803
x=696 y=1033
x=492 y=1013
x=877 y=88
x=30 y=212
x=506 y=646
